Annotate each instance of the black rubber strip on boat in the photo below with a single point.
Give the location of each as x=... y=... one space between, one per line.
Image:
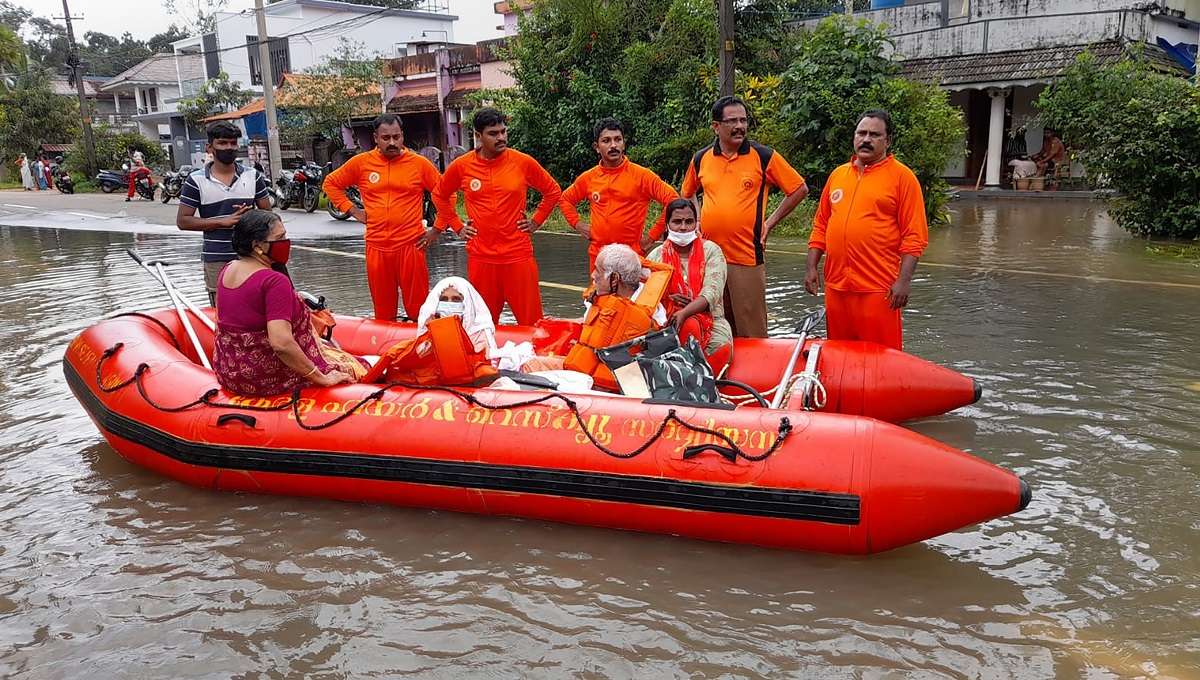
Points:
x=816 y=506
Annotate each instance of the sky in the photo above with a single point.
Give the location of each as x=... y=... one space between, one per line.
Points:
x=144 y=18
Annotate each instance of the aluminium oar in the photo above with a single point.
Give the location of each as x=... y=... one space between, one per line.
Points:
x=178 y=302
x=806 y=326
x=212 y=326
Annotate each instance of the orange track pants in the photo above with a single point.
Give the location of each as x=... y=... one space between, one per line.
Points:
x=515 y=283
x=391 y=273
x=863 y=316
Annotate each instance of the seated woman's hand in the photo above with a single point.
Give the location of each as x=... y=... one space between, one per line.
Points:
x=331 y=378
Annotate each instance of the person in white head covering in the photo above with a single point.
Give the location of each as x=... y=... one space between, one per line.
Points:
x=455 y=296
x=26 y=172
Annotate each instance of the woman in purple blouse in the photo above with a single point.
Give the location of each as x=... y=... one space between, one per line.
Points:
x=265 y=344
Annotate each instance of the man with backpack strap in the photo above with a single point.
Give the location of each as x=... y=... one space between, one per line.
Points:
x=734 y=175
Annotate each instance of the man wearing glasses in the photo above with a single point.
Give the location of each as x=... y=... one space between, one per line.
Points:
x=735 y=176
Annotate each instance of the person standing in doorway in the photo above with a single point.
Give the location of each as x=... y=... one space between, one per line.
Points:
x=214 y=197
x=620 y=193
x=495 y=182
x=392 y=182
x=871 y=228
x=735 y=176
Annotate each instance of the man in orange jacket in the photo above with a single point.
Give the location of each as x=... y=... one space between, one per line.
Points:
x=871 y=228
x=392 y=182
x=619 y=192
x=495 y=182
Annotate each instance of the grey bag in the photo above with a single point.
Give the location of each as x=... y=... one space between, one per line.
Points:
x=673 y=373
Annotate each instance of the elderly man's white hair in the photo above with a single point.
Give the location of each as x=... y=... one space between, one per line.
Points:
x=620 y=259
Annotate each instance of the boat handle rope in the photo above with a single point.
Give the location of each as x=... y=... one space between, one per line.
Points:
x=730 y=452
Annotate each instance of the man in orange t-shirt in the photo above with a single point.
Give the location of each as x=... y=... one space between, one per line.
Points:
x=392 y=182
x=871 y=227
x=619 y=192
x=735 y=176
x=495 y=182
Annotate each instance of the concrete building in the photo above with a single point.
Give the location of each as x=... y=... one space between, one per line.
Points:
x=995 y=57
x=511 y=11
x=115 y=111
x=154 y=88
x=302 y=33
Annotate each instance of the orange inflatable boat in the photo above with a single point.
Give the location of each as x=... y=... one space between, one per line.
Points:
x=780 y=478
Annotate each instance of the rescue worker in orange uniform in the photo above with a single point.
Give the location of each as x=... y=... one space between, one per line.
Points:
x=622 y=308
x=392 y=182
x=495 y=182
x=619 y=192
x=736 y=175
x=870 y=226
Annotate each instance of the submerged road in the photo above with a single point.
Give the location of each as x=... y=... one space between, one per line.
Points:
x=1085 y=343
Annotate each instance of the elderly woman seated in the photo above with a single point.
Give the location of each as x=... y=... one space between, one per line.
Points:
x=695 y=296
x=265 y=342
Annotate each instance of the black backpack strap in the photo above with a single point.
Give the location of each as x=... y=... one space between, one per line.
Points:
x=765 y=153
x=696 y=158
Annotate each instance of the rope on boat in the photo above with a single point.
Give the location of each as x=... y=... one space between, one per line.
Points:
x=731 y=451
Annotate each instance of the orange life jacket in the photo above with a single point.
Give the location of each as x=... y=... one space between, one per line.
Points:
x=442 y=355
x=613 y=320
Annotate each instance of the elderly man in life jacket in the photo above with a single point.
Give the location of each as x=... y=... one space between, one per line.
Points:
x=624 y=305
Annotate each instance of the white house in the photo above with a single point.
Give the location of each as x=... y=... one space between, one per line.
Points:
x=995 y=57
x=302 y=33
x=155 y=88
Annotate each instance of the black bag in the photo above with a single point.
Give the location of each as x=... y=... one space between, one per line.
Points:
x=673 y=373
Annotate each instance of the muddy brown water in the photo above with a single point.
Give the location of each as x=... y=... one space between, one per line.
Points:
x=1092 y=391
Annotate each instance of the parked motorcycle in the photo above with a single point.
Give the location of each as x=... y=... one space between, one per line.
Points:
x=62 y=178
x=172 y=183
x=352 y=194
x=111 y=180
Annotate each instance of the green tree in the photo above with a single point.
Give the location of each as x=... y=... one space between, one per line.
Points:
x=838 y=72
x=12 y=53
x=34 y=115
x=13 y=16
x=1135 y=132
x=651 y=63
x=113 y=147
x=106 y=55
x=161 y=42
x=345 y=85
x=215 y=96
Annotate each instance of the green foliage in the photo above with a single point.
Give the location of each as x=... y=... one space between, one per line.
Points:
x=12 y=52
x=215 y=96
x=1135 y=132
x=34 y=115
x=112 y=149
x=651 y=63
x=345 y=85
x=840 y=71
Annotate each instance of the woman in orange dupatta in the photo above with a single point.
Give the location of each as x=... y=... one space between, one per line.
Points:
x=695 y=296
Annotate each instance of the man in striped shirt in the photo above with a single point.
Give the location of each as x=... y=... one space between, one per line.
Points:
x=215 y=196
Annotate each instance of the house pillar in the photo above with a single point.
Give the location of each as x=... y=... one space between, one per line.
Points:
x=995 y=150
x=442 y=61
x=117 y=101
x=137 y=100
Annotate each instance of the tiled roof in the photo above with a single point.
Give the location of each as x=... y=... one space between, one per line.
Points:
x=421 y=103
x=62 y=86
x=1038 y=65
x=253 y=107
x=458 y=98
x=159 y=69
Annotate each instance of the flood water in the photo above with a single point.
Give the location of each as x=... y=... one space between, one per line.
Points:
x=111 y=571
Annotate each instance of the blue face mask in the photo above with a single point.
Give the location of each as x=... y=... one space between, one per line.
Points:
x=447 y=308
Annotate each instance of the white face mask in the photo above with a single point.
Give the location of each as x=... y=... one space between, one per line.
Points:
x=682 y=238
x=446 y=308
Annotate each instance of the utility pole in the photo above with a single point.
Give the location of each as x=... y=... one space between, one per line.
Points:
x=266 y=74
x=725 y=29
x=89 y=144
